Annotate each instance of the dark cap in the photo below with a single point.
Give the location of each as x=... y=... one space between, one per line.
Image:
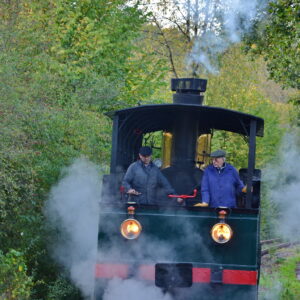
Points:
x=218 y=153
x=145 y=151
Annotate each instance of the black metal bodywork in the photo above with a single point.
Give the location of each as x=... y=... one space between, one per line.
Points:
x=186 y=122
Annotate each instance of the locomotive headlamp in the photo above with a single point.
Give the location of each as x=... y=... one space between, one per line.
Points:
x=131 y=229
x=221 y=233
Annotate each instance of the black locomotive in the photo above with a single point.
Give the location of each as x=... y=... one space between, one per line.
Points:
x=192 y=252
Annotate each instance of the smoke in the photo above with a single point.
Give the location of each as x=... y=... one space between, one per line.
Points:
x=206 y=50
x=149 y=249
x=225 y=22
x=271 y=289
x=283 y=182
x=73 y=211
x=118 y=289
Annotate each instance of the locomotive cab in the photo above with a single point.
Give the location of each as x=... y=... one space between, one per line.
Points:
x=180 y=135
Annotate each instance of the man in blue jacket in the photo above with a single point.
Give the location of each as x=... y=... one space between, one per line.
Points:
x=143 y=178
x=221 y=183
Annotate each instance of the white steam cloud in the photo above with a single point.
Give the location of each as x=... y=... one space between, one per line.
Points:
x=224 y=23
x=272 y=292
x=148 y=251
x=73 y=210
x=132 y=289
x=283 y=180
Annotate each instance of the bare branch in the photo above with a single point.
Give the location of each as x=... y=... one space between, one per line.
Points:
x=168 y=48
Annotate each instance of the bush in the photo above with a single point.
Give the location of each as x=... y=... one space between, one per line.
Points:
x=62 y=289
x=14 y=282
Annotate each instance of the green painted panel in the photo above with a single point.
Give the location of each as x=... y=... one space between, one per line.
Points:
x=180 y=236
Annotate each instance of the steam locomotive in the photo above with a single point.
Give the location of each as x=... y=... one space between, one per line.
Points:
x=191 y=252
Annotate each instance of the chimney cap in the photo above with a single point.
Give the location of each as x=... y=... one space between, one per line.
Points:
x=188 y=85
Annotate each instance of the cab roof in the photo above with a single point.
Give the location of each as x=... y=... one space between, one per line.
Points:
x=149 y=118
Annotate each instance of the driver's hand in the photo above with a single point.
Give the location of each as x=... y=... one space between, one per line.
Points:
x=203 y=204
x=244 y=189
x=180 y=200
x=133 y=192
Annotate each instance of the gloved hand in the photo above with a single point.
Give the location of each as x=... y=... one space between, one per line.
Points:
x=244 y=189
x=133 y=192
x=203 y=204
x=180 y=200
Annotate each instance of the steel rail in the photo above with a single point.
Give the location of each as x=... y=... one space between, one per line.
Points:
x=277 y=247
x=271 y=241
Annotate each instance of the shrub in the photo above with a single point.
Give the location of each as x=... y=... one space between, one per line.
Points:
x=14 y=282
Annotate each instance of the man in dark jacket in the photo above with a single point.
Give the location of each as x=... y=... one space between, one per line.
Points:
x=143 y=178
x=221 y=183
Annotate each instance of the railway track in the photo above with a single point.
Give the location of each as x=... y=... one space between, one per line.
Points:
x=275 y=244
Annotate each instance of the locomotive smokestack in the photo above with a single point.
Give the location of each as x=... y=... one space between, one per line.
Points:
x=188 y=90
x=185 y=128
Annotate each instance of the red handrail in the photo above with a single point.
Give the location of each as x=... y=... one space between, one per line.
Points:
x=184 y=196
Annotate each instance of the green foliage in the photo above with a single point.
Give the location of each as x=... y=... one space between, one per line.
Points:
x=269 y=211
x=269 y=286
x=280 y=282
x=291 y=285
x=62 y=64
x=236 y=88
x=85 y=52
x=38 y=140
x=14 y=282
x=277 y=38
x=295 y=101
x=61 y=289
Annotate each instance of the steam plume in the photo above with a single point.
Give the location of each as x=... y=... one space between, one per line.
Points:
x=132 y=289
x=73 y=210
x=283 y=180
x=225 y=23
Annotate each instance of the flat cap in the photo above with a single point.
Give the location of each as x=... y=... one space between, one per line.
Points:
x=218 y=153
x=145 y=151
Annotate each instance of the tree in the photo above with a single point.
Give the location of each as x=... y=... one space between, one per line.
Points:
x=86 y=51
x=236 y=87
x=62 y=64
x=277 y=38
x=205 y=28
x=184 y=22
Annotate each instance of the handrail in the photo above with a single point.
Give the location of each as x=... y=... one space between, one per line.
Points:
x=184 y=196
